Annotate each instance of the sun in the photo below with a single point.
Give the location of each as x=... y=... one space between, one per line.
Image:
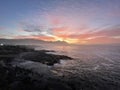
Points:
x=71 y=41
x=68 y=40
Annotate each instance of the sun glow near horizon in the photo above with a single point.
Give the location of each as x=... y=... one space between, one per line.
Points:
x=72 y=21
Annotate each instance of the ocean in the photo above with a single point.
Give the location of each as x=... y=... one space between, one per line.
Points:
x=98 y=64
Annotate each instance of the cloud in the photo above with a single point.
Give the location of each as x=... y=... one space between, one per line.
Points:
x=108 y=32
x=99 y=36
x=31 y=27
x=67 y=29
x=38 y=37
x=113 y=31
x=104 y=40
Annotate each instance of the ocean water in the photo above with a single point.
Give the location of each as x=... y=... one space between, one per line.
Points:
x=98 y=64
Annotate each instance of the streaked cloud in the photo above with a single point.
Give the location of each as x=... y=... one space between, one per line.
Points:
x=70 y=34
x=73 y=21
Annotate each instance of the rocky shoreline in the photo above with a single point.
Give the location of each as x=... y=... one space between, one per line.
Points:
x=23 y=68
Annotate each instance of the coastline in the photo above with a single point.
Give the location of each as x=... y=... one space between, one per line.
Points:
x=25 y=68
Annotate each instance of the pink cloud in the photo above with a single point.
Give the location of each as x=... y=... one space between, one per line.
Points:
x=103 y=36
x=103 y=40
x=45 y=38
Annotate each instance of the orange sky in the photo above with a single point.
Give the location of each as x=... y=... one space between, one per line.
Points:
x=72 y=21
x=68 y=30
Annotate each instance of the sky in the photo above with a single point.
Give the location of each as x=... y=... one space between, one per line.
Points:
x=72 y=21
